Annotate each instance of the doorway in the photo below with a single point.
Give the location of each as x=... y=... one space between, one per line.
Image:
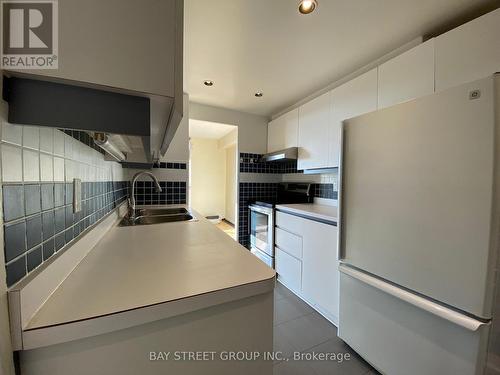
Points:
x=213 y=172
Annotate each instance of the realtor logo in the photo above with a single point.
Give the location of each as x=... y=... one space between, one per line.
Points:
x=29 y=34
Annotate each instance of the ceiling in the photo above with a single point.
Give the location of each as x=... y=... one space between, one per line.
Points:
x=208 y=129
x=246 y=46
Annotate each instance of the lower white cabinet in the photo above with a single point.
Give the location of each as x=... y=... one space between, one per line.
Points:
x=306 y=261
x=289 y=270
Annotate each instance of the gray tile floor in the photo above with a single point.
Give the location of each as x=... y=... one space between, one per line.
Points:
x=299 y=328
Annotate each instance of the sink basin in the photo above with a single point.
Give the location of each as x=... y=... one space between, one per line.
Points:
x=149 y=216
x=160 y=211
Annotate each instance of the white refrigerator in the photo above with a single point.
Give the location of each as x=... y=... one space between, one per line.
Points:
x=420 y=232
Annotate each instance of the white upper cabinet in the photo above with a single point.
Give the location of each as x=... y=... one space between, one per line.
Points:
x=315 y=118
x=123 y=44
x=282 y=132
x=469 y=52
x=407 y=76
x=352 y=99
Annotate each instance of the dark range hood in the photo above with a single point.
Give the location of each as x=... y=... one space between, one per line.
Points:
x=73 y=105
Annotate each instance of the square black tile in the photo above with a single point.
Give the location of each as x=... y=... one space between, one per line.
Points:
x=68 y=235
x=76 y=230
x=15 y=240
x=16 y=271
x=33 y=231
x=47 y=197
x=60 y=219
x=32 y=199
x=69 y=216
x=59 y=194
x=60 y=241
x=34 y=258
x=48 y=248
x=68 y=194
x=47 y=224
x=13 y=202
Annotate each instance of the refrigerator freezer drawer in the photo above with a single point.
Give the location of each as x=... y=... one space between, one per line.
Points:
x=399 y=337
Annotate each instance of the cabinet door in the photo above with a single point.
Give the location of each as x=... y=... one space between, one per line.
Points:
x=352 y=99
x=275 y=134
x=289 y=270
x=320 y=275
x=282 y=131
x=121 y=43
x=407 y=76
x=469 y=52
x=314 y=121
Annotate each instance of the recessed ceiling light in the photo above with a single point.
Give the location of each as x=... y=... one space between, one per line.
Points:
x=208 y=82
x=307 y=6
x=258 y=94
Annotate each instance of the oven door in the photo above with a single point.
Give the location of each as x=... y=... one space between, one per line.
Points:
x=262 y=229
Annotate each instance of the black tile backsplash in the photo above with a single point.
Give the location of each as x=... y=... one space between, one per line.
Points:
x=173 y=192
x=250 y=191
x=252 y=163
x=13 y=202
x=26 y=228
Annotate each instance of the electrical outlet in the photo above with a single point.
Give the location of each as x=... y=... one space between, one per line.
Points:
x=77 y=195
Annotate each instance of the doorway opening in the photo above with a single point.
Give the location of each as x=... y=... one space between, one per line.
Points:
x=214 y=173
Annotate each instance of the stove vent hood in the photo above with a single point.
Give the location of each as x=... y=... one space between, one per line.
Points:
x=287 y=154
x=151 y=120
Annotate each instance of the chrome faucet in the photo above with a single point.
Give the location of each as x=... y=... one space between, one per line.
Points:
x=134 y=180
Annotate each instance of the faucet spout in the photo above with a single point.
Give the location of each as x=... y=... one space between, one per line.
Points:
x=134 y=180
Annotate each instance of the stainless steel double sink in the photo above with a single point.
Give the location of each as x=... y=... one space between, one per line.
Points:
x=147 y=216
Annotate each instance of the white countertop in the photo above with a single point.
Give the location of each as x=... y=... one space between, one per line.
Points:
x=135 y=267
x=313 y=210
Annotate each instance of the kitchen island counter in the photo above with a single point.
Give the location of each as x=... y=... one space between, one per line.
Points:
x=140 y=274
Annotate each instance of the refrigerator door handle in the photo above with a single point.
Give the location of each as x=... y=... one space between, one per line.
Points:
x=443 y=312
x=340 y=226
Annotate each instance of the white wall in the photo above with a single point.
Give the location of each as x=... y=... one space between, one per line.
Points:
x=252 y=129
x=208 y=177
x=231 y=183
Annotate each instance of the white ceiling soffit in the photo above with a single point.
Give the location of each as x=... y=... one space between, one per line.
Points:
x=208 y=129
x=246 y=46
